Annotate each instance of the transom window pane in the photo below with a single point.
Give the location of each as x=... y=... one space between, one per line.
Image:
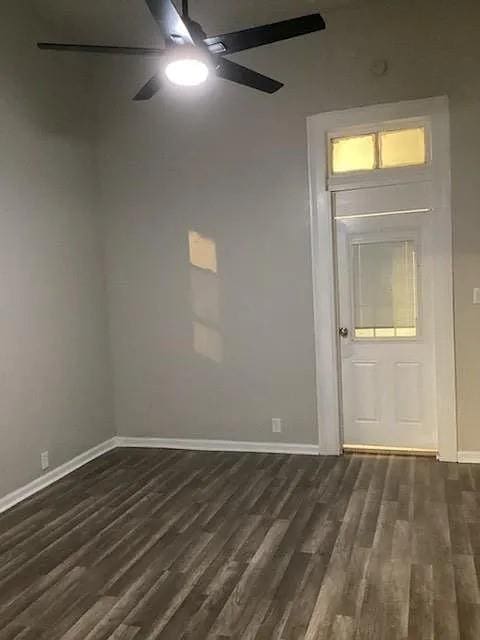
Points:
x=384 y=289
x=379 y=150
x=402 y=148
x=353 y=154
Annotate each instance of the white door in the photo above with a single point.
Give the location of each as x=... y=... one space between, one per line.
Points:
x=384 y=271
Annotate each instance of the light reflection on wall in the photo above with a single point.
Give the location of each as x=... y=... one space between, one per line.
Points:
x=207 y=342
x=203 y=252
x=205 y=295
x=205 y=291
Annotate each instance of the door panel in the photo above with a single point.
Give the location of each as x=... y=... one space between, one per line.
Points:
x=408 y=381
x=365 y=389
x=383 y=272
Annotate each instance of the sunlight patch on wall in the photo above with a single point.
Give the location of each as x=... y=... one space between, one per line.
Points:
x=205 y=297
x=207 y=342
x=203 y=252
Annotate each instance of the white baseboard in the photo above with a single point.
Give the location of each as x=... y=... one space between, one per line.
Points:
x=218 y=445
x=469 y=456
x=11 y=499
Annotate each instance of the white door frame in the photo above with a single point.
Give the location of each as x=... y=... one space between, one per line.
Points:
x=435 y=113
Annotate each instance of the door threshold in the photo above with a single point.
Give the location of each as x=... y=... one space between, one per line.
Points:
x=399 y=451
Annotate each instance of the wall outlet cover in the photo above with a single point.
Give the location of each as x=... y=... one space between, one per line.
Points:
x=276 y=425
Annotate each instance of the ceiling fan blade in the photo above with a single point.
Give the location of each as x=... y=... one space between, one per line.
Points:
x=88 y=48
x=173 y=27
x=241 y=75
x=152 y=87
x=259 y=36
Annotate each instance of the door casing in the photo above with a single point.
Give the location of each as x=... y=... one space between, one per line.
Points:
x=433 y=113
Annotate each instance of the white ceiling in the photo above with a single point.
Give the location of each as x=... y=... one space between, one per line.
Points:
x=129 y=21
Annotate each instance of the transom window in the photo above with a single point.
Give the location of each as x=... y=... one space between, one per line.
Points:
x=379 y=150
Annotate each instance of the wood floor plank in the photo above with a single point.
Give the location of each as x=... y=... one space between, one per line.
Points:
x=421 y=610
x=146 y=544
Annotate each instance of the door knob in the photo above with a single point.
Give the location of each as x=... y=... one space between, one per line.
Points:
x=343 y=332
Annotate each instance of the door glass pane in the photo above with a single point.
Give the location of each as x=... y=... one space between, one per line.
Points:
x=354 y=154
x=402 y=148
x=384 y=289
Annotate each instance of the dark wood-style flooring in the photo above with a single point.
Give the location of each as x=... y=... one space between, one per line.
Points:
x=145 y=544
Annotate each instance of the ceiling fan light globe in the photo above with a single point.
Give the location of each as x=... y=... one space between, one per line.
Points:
x=187 y=72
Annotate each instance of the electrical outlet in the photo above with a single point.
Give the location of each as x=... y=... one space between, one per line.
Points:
x=276 y=425
x=44 y=460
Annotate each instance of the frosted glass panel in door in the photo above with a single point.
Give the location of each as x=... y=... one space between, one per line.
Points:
x=384 y=289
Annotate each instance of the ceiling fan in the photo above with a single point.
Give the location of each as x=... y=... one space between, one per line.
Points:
x=190 y=56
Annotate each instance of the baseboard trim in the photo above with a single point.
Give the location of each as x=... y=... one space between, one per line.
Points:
x=218 y=445
x=13 y=498
x=472 y=457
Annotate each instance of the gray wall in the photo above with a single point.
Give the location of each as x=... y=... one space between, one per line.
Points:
x=231 y=164
x=55 y=380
